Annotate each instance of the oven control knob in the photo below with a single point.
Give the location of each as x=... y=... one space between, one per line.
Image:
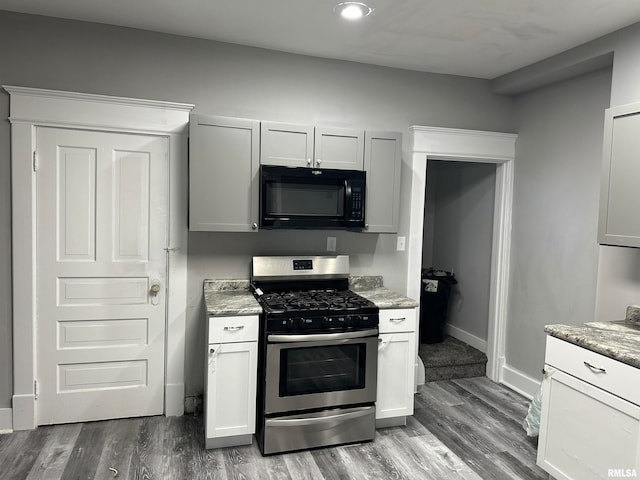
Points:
x=304 y=323
x=291 y=324
x=355 y=321
x=326 y=322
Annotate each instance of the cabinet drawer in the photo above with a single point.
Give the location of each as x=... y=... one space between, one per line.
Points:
x=398 y=320
x=233 y=329
x=603 y=372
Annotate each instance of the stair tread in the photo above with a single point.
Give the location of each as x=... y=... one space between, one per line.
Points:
x=450 y=352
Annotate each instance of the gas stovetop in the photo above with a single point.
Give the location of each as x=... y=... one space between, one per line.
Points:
x=309 y=294
x=327 y=301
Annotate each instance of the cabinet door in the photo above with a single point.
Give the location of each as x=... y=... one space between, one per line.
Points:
x=585 y=432
x=396 y=354
x=340 y=148
x=284 y=144
x=382 y=162
x=619 y=222
x=231 y=389
x=223 y=174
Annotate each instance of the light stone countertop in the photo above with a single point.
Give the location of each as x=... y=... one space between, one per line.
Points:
x=619 y=339
x=372 y=289
x=224 y=298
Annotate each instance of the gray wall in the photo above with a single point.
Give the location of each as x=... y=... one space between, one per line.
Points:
x=554 y=257
x=619 y=267
x=462 y=237
x=235 y=81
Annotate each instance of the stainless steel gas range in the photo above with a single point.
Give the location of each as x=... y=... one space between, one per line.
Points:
x=317 y=354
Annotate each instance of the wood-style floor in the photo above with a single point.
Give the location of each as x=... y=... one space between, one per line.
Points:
x=462 y=429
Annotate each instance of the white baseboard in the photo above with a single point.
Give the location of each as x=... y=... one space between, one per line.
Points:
x=6 y=420
x=174 y=400
x=519 y=381
x=24 y=412
x=466 y=337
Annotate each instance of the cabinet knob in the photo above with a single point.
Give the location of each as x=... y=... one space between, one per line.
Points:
x=318 y=161
x=366 y=225
x=254 y=226
x=212 y=350
x=308 y=161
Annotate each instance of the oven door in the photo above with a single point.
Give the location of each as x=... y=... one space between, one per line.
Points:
x=320 y=370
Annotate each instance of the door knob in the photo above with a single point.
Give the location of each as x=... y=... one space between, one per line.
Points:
x=154 y=290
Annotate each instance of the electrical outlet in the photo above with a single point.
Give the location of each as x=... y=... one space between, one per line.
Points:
x=331 y=244
x=400 y=244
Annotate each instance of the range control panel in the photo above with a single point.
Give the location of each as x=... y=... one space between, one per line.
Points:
x=303 y=264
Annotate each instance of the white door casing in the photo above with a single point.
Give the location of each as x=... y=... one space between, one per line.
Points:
x=453 y=144
x=31 y=108
x=101 y=220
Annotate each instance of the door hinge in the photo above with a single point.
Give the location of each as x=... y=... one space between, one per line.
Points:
x=35 y=161
x=36 y=389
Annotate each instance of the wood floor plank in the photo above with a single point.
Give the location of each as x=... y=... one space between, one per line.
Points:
x=505 y=433
x=86 y=452
x=196 y=460
x=147 y=457
x=55 y=453
x=365 y=461
x=330 y=463
x=19 y=465
x=425 y=457
x=507 y=401
x=118 y=448
x=466 y=429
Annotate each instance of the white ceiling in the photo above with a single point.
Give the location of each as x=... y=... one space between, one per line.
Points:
x=476 y=38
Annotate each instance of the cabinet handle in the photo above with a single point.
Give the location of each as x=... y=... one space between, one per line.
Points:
x=402 y=319
x=593 y=367
x=233 y=328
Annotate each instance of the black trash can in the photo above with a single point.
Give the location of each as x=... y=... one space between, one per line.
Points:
x=434 y=304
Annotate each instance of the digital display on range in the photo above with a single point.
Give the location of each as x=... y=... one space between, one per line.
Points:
x=303 y=265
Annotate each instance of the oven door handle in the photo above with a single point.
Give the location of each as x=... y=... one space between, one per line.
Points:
x=316 y=337
x=289 y=422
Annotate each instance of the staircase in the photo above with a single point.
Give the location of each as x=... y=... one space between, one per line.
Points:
x=451 y=359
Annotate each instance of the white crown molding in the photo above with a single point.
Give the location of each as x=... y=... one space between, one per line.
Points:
x=464 y=144
x=92 y=97
x=44 y=107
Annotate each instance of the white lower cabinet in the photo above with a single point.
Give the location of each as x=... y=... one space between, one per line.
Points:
x=230 y=383
x=588 y=429
x=396 y=360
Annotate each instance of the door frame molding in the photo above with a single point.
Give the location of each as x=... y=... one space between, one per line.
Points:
x=454 y=144
x=31 y=108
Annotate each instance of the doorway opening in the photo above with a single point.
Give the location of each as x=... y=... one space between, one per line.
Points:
x=457 y=238
x=457 y=145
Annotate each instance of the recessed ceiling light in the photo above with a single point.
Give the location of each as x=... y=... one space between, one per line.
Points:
x=352 y=10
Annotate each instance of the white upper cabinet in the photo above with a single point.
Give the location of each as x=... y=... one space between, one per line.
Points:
x=223 y=174
x=305 y=146
x=382 y=162
x=286 y=144
x=619 y=222
x=340 y=148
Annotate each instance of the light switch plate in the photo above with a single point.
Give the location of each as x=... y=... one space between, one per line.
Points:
x=331 y=244
x=400 y=244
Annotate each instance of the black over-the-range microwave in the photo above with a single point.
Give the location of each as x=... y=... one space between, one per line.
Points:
x=313 y=198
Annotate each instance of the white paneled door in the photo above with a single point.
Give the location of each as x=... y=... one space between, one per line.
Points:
x=101 y=274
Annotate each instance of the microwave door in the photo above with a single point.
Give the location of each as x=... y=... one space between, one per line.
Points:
x=307 y=198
